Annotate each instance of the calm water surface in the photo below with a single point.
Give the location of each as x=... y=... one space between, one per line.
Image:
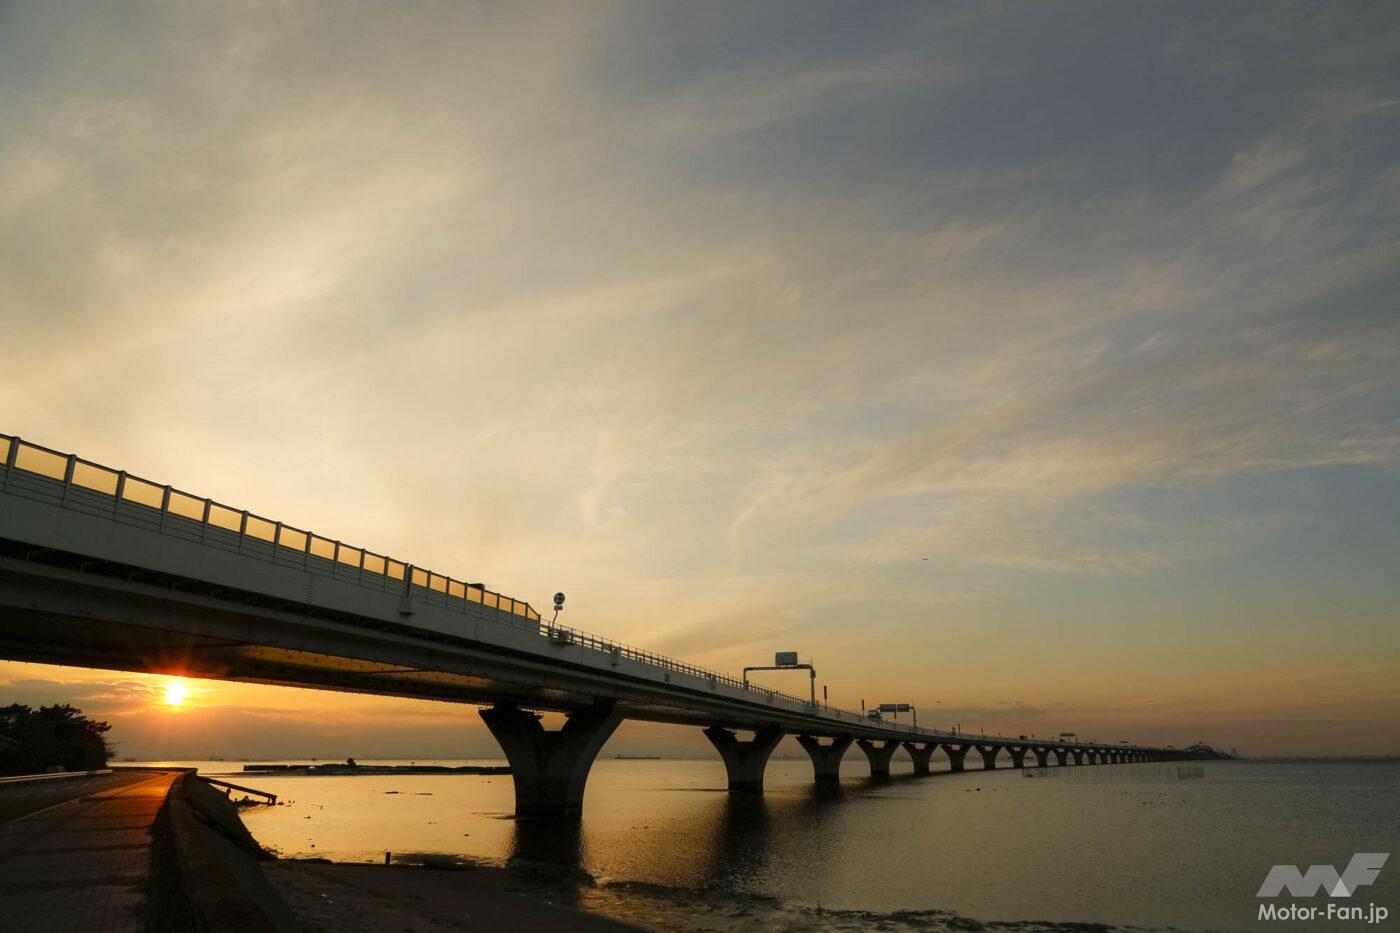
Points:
x=663 y=844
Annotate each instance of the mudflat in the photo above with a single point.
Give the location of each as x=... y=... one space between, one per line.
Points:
x=351 y=898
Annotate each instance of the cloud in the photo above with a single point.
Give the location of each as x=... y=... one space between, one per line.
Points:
x=97 y=698
x=718 y=320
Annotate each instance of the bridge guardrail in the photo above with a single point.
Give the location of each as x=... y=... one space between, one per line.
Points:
x=175 y=507
x=87 y=485
x=18 y=780
x=208 y=514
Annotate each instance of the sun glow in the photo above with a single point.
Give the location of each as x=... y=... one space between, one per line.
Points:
x=175 y=693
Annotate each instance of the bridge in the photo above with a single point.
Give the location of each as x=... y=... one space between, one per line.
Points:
x=103 y=569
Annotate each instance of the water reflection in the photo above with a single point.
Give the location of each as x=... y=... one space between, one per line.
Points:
x=548 y=842
x=740 y=841
x=668 y=832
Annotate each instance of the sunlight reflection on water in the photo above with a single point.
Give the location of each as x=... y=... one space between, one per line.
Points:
x=1126 y=845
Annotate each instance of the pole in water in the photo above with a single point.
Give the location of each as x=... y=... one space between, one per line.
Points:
x=386 y=858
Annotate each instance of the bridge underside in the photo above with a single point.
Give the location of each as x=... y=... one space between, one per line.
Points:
x=61 y=608
x=123 y=619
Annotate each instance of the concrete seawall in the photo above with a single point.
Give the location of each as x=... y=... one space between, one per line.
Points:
x=206 y=873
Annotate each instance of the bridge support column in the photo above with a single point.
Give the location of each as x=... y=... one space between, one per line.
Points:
x=989 y=756
x=1042 y=757
x=1018 y=755
x=1061 y=756
x=826 y=759
x=879 y=755
x=745 y=761
x=550 y=769
x=921 y=755
x=956 y=755
x=1078 y=754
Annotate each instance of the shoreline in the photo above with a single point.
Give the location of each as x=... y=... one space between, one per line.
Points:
x=343 y=770
x=211 y=874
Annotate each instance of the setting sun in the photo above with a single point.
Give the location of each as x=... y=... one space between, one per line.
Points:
x=175 y=693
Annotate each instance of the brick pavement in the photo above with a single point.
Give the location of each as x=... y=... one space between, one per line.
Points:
x=83 y=864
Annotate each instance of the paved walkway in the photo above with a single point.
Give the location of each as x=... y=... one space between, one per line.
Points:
x=82 y=864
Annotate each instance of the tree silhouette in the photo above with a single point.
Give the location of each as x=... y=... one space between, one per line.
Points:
x=33 y=741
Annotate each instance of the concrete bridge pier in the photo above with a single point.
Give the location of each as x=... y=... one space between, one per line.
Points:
x=1042 y=757
x=879 y=755
x=1061 y=756
x=1018 y=755
x=1078 y=754
x=922 y=755
x=956 y=755
x=745 y=762
x=826 y=759
x=989 y=756
x=550 y=769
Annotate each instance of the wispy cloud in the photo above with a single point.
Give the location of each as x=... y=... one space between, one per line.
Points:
x=737 y=325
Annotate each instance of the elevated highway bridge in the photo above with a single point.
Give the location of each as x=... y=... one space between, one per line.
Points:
x=99 y=568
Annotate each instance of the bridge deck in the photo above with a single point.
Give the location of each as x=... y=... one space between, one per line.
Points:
x=104 y=569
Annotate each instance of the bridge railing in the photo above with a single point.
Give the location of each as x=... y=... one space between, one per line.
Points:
x=97 y=489
x=176 y=511
x=100 y=490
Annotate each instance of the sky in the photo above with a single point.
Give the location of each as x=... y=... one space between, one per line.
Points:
x=1037 y=364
